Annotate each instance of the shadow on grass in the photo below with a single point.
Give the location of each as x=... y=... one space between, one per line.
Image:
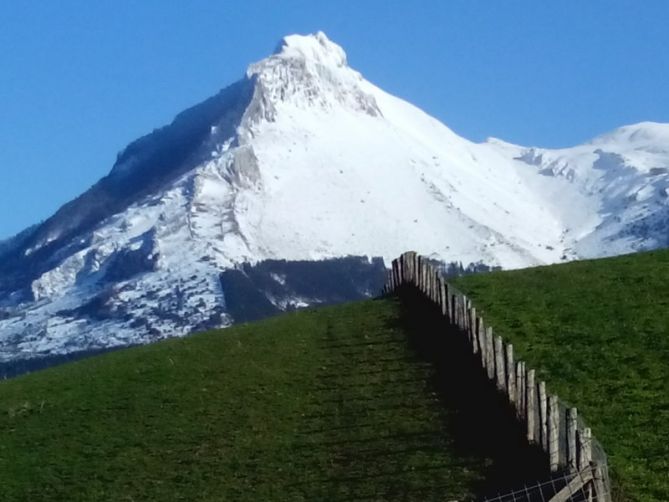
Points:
x=480 y=420
x=403 y=411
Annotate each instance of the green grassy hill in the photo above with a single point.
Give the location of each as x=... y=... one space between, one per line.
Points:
x=366 y=401
x=598 y=333
x=330 y=404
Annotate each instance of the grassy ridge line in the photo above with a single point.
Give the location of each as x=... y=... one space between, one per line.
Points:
x=329 y=404
x=598 y=332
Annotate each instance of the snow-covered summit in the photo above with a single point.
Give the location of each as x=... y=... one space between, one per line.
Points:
x=307 y=71
x=316 y=47
x=653 y=134
x=304 y=159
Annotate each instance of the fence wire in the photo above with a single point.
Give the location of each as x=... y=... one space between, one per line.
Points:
x=565 y=487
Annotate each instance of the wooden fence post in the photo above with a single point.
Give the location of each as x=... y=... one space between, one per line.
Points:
x=430 y=282
x=483 y=349
x=600 y=488
x=416 y=278
x=425 y=278
x=444 y=297
x=472 y=329
x=543 y=416
x=399 y=272
x=458 y=311
x=490 y=347
x=510 y=374
x=500 y=370
x=531 y=406
x=520 y=388
x=453 y=314
x=572 y=424
x=584 y=446
x=523 y=395
x=553 y=433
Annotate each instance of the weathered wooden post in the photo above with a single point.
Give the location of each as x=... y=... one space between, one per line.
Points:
x=408 y=264
x=523 y=395
x=553 y=433
x=425 y=277
x=430 y=282
x=584 y=440
x=400 y=269
x=483 y=349
x=543 y=415
x=490 y=344
x=472 y=329
x=510 y=374
x=572 y=424
x=453 y=313
x=519 y=389
x=531 y=406
x=398 y=273
x=419 y=271
x=500 y=368
x=601 y=493
x=444 y=297
x=461 y=311
x=458 y=310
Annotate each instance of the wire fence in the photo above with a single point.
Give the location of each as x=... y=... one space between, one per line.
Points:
x=573 y=487
x=573 y=453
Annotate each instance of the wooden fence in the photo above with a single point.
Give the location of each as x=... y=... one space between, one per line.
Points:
x=550 y=424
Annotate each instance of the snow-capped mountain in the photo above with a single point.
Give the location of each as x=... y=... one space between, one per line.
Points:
x=303 y=159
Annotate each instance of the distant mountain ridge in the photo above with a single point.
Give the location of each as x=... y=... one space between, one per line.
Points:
x=302 y=160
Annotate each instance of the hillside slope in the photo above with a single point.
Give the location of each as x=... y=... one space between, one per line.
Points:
x=598 y=333
x=330 y=404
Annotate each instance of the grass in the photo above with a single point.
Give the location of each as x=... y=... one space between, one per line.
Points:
x=329 y=404
x=598 y=333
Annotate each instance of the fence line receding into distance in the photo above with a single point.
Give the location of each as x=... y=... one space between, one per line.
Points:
x=549 y=424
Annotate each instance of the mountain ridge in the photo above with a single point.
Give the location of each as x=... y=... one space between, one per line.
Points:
x=303 y=159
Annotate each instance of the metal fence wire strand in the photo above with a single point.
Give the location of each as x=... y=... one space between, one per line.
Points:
x=558 y=488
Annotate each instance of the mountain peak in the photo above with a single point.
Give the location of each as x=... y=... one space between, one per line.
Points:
x=307 y=71
x=315 y=47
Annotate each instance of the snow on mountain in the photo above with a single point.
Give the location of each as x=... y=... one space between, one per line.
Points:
x=303 y=159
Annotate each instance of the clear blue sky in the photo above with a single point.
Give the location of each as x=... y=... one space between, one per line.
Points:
x=81 y=79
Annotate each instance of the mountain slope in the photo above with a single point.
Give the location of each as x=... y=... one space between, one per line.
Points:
x=303 y=159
